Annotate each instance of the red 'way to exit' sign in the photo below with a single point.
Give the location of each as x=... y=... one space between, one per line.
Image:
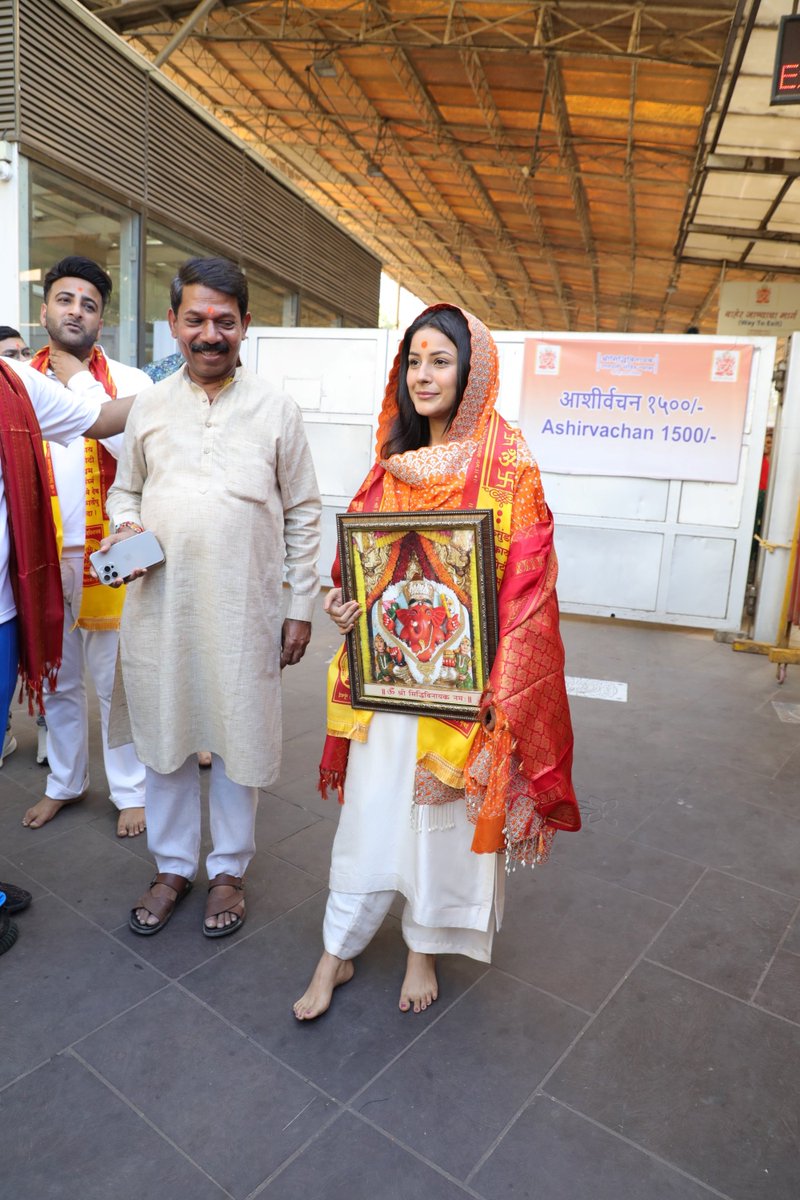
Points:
x=786 y=76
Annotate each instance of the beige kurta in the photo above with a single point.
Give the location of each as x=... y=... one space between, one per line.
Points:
x=229 y=490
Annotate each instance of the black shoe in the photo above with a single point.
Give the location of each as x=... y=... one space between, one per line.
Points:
x=8 y=931
x=16 y=898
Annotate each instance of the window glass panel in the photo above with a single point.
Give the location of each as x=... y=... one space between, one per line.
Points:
x=270 y=303
x=64 y=218
x=314 y=314
x=164 y=253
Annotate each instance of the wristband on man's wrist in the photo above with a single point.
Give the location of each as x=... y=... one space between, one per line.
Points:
x=128 y=525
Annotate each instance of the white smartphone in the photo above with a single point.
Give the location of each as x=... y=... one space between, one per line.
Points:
x=117 y=564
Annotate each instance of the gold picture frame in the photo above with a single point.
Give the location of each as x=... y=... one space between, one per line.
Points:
x=427 y=634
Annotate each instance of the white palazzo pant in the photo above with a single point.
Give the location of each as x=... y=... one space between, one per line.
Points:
x=454 y=898
x=67 y=710
x=173 y=820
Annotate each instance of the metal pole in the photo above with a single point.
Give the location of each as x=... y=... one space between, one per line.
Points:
x=202 y=10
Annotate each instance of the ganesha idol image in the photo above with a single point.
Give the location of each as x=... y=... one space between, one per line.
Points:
x=425 y=622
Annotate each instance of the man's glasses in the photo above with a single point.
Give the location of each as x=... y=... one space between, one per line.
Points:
x=22 y=354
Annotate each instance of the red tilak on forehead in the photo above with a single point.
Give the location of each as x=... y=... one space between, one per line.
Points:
x=424 y=345
x=210 y=311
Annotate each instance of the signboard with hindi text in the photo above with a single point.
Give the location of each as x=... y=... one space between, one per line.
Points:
x=649 y=409
x=756 y=307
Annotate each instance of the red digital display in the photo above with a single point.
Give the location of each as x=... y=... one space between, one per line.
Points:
x=786 y=76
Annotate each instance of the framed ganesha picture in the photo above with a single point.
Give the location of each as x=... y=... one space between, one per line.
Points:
x=427 y=634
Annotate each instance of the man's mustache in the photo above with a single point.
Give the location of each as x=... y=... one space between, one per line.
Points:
x=208 y=347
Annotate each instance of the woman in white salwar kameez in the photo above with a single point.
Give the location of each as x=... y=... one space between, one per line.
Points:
x=430 y=807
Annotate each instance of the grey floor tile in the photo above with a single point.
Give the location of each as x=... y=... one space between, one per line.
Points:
x=91 y=874
x=300 y=754
x=363 y=1029
x=571 y=934
x=272 y=887
x=277 y=819
x=504 y=1034
x=638 y=868
x=12 y=873
x=792 y=942
x=302 y=791
x=232 y=1110
x=713 y=782
x=676 y=1067
x=725 y=934
x=551 y=1153
x=780 y=989
x=614 y=790
x=63 y=978
x=731 y=835
x=789 y=772
x=352 y=1161
x=310 y=849
x=68 y=1137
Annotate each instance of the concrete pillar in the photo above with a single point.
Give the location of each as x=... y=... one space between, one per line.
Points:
x=9 y=223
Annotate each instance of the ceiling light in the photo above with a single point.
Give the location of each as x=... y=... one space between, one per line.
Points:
x=324 y=68
x=374 y=170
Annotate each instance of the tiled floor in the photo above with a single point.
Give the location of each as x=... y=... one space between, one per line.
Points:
x=636 y=1038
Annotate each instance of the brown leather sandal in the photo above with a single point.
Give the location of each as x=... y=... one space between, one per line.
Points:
x=160 y=906
x=216 y=905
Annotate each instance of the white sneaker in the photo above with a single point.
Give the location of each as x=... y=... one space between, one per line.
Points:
x=9 y=746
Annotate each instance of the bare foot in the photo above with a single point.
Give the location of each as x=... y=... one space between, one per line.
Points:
x=330 y=973
x=130 y=822
x=204 y=759
x=43 y=811
x=420 y=988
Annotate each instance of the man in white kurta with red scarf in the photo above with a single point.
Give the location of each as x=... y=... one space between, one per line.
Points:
x=217 y=465
x=76 y=292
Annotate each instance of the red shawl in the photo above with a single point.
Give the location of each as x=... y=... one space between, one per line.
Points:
x=33 y=556
x=518 y=778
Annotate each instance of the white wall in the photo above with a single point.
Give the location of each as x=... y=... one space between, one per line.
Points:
x=659 y=550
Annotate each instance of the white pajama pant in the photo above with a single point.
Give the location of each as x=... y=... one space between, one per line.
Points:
x=352 y=920
x=453 y=898
x=67 y=709
x=173 y=820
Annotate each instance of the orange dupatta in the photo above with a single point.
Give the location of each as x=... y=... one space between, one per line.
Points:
x=522 y=770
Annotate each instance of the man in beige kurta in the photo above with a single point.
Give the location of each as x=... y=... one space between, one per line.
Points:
x=217 y=465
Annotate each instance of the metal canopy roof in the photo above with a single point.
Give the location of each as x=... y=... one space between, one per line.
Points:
x=556 y=164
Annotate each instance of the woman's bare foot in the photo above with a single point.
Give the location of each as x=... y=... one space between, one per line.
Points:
x=420 y=987
x=43 y=811
x=130 y=822
x=330 y=973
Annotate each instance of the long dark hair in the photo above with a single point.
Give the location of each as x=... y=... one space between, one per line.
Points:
x=410 y=431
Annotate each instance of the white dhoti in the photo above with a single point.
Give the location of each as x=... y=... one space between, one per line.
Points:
x=454 y=898
x=67 y=707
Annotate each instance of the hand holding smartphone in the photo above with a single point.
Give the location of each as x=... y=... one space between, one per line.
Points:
x=116 y=565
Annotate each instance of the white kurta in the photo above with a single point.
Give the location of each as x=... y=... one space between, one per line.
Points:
x=379 y=845
x=229 y=490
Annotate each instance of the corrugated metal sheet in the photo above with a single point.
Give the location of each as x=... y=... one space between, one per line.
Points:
x=8 y=85
x=129 y=133
x=89 y=119
x=337 y=268
x=194 y=176
x=272 y=219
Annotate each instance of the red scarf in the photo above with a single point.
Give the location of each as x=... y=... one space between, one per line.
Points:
x=33 y=556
